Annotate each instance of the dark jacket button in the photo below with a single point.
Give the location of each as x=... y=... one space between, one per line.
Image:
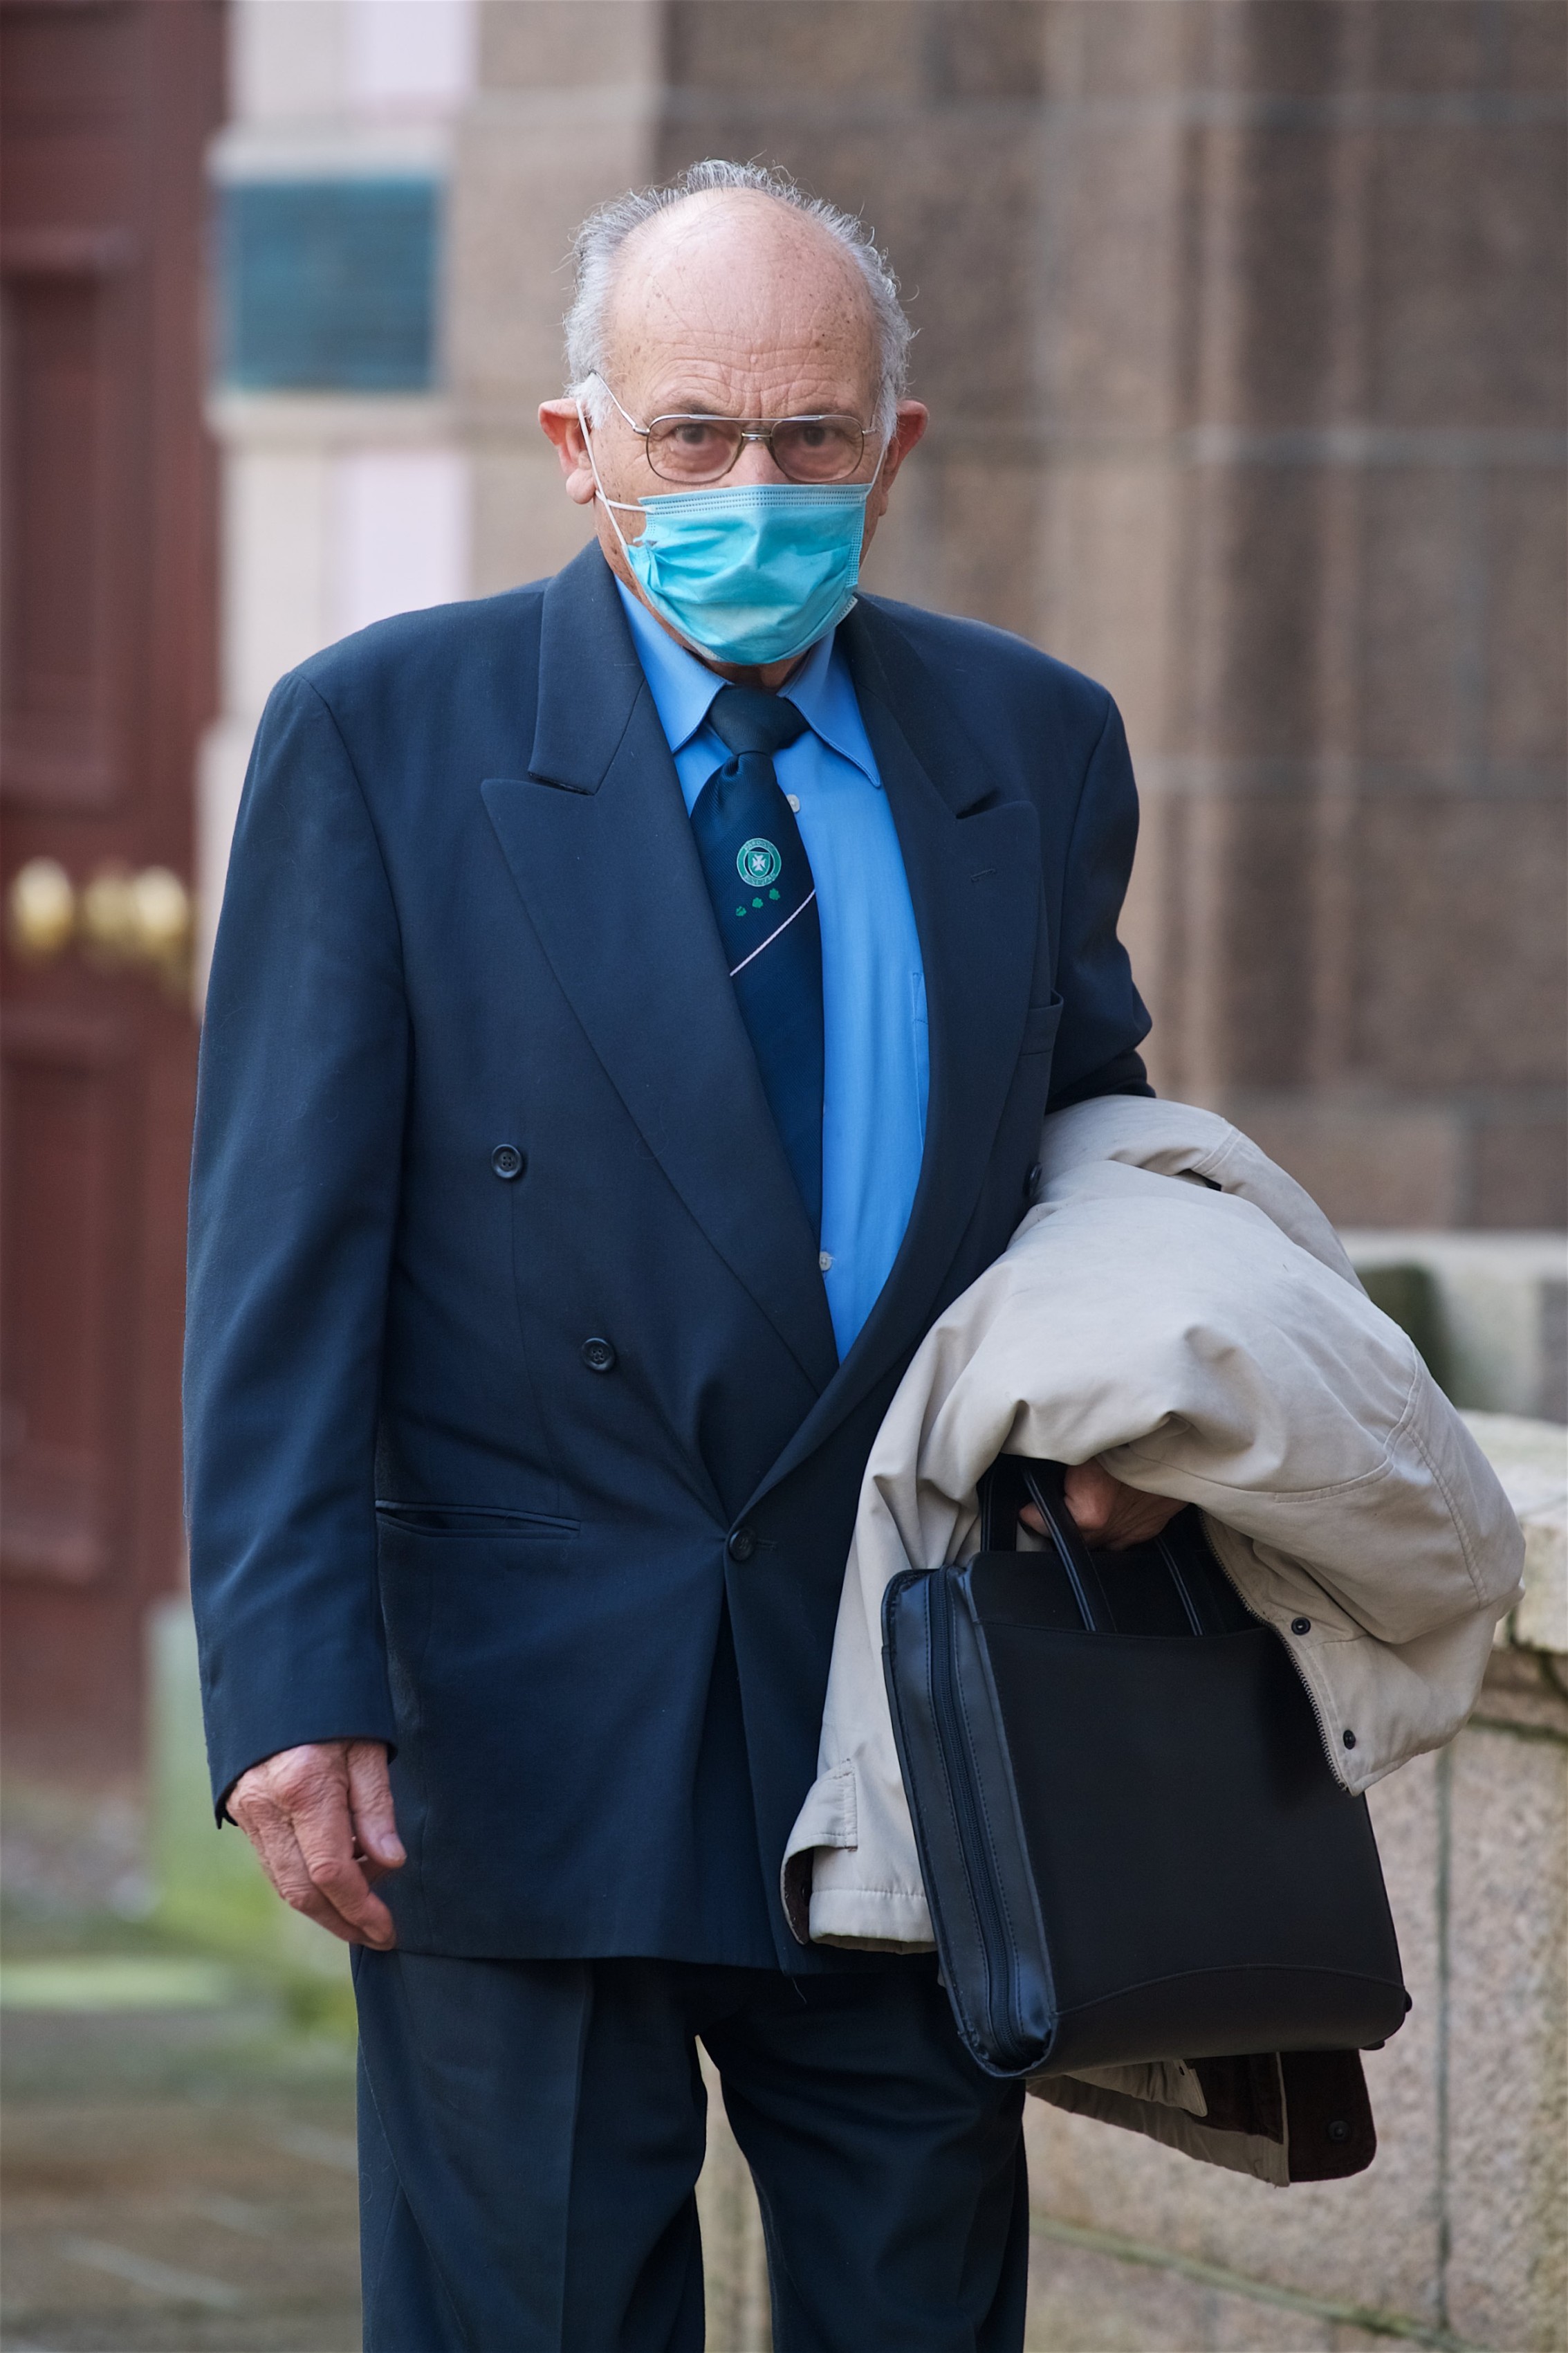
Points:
x=1301 y=1625
x=742 y=1544
x=598 y=1356
x=1349 y=1739
x=508 y=1161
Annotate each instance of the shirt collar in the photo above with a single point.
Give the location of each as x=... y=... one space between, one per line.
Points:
x=683 y=689
x=823 y=692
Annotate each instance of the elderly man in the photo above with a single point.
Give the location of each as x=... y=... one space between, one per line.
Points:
x=634 y=1005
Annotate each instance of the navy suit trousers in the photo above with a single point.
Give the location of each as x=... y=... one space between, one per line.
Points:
x=530 y=2134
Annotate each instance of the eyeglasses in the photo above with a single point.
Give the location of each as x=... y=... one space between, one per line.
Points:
x=694 y=450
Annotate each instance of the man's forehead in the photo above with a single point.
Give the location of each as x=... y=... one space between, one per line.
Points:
x=717 y=223
x=731 y=274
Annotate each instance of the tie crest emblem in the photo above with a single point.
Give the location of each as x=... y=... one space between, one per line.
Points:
x=758 y=862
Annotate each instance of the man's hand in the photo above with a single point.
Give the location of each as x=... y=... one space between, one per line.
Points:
x=1110 y=1514
x=320 y=1819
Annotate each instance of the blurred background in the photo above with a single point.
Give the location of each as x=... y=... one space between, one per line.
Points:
x=1242 y=324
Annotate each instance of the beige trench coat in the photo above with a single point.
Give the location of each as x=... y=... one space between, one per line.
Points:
x=1178 y=1306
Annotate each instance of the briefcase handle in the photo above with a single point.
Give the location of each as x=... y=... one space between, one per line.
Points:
x=1015 y=1480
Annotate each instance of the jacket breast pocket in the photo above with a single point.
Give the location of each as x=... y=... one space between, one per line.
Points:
x=1041 y=1026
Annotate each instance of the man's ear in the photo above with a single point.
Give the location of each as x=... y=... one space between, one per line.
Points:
x=561 y=425
x=910 y=423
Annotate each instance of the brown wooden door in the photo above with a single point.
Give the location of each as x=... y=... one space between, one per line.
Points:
x=109 y=678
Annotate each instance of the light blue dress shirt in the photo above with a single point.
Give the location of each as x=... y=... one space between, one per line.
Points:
x=876 y=1053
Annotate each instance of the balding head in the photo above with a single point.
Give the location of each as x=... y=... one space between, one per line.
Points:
x=743 y=249
x=734 y=302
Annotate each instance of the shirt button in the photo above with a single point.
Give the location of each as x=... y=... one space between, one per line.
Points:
x=825 y=1260
x=598 y=1356
x=508 y=1162
x=794 y=800
x=1031 y=1180
x=742 y=1544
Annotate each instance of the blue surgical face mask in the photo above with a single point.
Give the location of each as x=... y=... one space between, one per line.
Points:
x=752 y=573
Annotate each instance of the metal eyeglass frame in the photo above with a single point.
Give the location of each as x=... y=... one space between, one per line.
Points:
x=696 y=417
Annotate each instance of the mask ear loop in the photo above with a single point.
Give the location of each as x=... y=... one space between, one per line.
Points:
x=608 y=503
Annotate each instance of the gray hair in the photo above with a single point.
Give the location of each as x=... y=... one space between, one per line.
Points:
x=605 y=230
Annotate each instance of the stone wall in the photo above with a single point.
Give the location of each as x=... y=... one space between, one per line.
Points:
x=1489 y=1311
x=1242 y=326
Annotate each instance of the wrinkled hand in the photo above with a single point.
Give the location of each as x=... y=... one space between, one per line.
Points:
x=320 y=1819
x=1110 y=1515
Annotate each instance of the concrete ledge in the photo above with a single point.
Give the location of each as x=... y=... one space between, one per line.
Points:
x=1489 y=1311
x=1531 y=1458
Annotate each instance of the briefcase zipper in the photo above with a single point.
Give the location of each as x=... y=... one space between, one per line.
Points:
x=973 y=1837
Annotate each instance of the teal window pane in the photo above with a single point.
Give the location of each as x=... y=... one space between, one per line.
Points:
x=329 y=285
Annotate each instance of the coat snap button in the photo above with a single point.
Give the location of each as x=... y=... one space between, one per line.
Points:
x=598 y=1356
x=1338 y=2131
x=1301 y=1625
x=508 y=1162
x=742 y=1544
x=1349 y=1739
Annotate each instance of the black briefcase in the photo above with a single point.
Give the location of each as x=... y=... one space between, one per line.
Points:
x=1133 y=1845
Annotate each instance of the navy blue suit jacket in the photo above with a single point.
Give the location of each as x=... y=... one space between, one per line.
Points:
x=474 y=1091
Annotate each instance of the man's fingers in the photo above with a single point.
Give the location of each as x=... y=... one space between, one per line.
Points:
x=295 y=1809
x=350 y=1909
x=339 y=1885
x=1111 y=1515
x=1135 y=1518
x=1142 y=1523
x=369 y=1803
x=328 y=1886
x=286 y=1867
x=1091 y=1493
x=325 y=1835
x=1092 y=1496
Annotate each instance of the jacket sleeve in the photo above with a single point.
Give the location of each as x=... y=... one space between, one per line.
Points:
x=1103 y=1017
x=294 y=1199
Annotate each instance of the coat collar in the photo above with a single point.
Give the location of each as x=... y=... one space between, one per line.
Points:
x=590 y=679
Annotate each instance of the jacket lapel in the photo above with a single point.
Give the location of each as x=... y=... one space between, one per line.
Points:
x=600 y=847
x=974 y=878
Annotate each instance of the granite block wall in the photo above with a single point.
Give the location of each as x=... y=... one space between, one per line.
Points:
x=1241 y=323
